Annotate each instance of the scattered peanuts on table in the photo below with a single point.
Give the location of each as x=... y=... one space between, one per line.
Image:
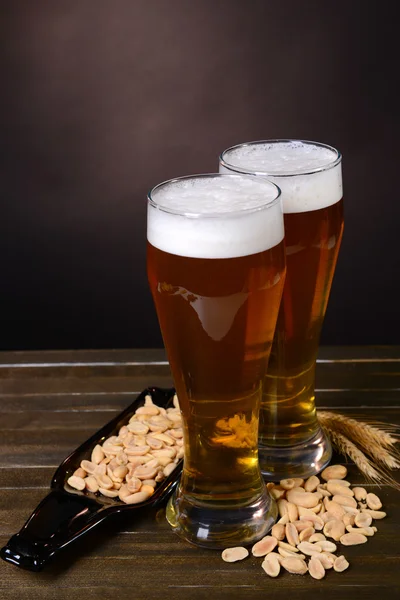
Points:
x=129 y=465
x=310 y=512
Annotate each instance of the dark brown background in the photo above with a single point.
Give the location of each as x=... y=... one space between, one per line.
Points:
x=103 y=99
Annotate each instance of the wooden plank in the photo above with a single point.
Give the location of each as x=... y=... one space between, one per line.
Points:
x=68 y=384
x=357 y=400
x=91 y=402
x=359 y=353
x=16 y=450
x=362 y=375
x=338 y=376
x=187 y=570
x=151 y=355
x=28 y=477
x=45 y=357
x=66 y=402
x=82 y=370
x=200 y=591
x=107 y=373
x=56 y=420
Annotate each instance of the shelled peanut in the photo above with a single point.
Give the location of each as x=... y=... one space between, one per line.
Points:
x=310 y=512
x=129 y=465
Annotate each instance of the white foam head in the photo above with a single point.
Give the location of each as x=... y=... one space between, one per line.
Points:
x=215 y=216
x=309 y=174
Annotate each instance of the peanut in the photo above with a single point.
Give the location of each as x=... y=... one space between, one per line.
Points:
x=306 y=534
x=282 y=507
x=135 y=498
x=288 y=547
x=349 y=519
x=375 y=514
x=264 y=546
x=309 y=549
x=373 y=502
x=317 y=522
x=334 y=472
x=353 y=539
x=97 y=454
x=305 y=499
x=80 y=473
x=292 y=512
x=288 y=554
x=327 y=559
x=335 y=509
x=287 y=484
x=91 y=484
x=345 y=500
x=271 y=565
x=291 y=534
x=368 y=531
x=311 y=484
x=340 y=564
x=234 y=554
x=338 y=489
x=362 y=520
x=327 y=546
x=294 y=565
x=360 y=493
x=317 y=537
x=76 y=482
x=334 y=529
x=301 y=525
x=298 y=482
x=316 y=568
x=278 y=531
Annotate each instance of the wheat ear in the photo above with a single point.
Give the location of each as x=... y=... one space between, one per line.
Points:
x=347 y=448
x=374 y=441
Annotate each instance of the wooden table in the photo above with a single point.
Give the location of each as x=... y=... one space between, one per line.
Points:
x=52 y=401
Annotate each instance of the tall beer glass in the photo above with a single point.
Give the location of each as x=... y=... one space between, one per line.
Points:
x=309 y=174
x=216 y=267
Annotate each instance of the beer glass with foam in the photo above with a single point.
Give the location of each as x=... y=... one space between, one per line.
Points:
x=309 y=175
x=216 y=267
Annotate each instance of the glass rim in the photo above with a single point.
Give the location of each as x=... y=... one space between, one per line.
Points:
x=227 y=214
x=306 y=171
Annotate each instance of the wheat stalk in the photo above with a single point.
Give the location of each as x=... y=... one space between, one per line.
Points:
x=374 y=441
x=358 y=439
x=347 y=448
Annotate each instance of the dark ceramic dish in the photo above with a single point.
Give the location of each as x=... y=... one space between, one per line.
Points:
x=67 y=514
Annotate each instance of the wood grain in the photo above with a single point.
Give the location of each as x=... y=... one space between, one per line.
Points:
x=46 y=411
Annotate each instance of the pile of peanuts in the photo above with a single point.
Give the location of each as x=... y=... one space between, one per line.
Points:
x=310 y=512
x=129 y=465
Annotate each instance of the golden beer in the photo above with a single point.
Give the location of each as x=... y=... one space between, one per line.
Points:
x=312 y=245
x=309 y=174
x=217 y=289
x=218 y=319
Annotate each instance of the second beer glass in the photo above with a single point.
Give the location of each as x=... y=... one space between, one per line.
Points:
x=216 y=269
x=309 y=174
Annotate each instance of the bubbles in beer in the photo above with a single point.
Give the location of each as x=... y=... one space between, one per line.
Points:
x=309 y=174
x=215 y=217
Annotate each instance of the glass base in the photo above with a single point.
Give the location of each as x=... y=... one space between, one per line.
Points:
x=301 y=460
x=217 y=527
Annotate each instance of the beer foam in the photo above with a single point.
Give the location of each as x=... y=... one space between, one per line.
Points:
x=215 y=216
x=308 y=174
